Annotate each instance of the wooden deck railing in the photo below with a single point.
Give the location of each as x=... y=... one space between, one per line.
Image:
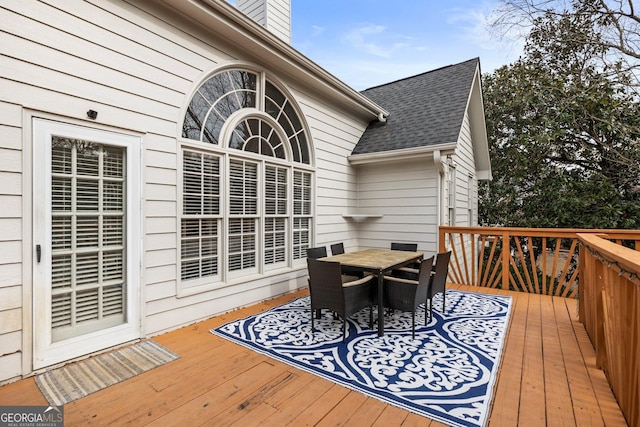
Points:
x=610 y=309
x=542 y=261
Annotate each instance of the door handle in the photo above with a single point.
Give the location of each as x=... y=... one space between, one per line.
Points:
x=38 y=253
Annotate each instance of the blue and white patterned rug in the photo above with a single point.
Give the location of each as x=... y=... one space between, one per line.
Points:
x=446 y=373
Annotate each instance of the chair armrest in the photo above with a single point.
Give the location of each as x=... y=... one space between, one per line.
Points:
x=365 y=279
x=401 y=280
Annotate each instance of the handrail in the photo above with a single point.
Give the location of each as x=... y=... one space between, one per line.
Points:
x=610 y=310
x=534 y=260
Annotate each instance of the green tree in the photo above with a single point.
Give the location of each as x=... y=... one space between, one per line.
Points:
x=563 y=134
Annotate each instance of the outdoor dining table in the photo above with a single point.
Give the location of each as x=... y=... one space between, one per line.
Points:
x=378 y=262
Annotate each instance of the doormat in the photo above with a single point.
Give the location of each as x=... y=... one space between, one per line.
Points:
x=71 y=382
x=447 y=373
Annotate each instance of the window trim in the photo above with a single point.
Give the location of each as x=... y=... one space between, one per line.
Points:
x=452 y=195
x=225 y=277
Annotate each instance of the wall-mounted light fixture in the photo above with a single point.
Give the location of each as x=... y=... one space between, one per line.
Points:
x=92 y=114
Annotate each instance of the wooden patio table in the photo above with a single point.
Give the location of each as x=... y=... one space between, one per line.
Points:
x=378 y=262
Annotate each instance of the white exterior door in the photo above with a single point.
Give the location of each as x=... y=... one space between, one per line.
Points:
x=86 y=234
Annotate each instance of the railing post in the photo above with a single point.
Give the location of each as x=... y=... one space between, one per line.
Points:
x=505 y=260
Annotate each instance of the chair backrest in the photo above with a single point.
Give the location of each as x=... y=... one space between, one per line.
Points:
x=325 y=283
x=439 y=279
x=411 y=247
x=424 y=277
x=319 y=252
x=337 y=248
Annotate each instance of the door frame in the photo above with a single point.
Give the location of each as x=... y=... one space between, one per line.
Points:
x=44 y=352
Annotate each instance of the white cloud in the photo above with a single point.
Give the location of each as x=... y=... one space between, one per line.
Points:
x=365 y=37
x=376 y=40
x=317 y=30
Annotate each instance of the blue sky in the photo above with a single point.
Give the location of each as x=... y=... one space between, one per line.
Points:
x=370 y=42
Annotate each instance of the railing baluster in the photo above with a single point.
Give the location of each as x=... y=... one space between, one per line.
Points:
x=490 y=262
x=481 y=273
x=472 y=259
x=567 y=265
x=456 y=266
x=506 y=256
x=524 y=268
x=543 y=254
x=496 y=275
x=464 y=259
x=554 y=275
x=534 y=267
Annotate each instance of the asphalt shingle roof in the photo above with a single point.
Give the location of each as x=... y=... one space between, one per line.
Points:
x=424 y=110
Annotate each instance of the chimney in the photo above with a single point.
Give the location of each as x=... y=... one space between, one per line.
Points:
x=274 y=15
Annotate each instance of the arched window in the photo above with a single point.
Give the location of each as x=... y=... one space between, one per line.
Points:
x=246 y=181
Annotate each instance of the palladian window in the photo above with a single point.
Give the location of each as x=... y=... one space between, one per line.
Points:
x=246 y=181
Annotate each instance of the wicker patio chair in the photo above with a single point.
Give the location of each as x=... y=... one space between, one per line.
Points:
x=337 y=248
x=439 y=281
x=318 y=252
x=328 y=291
x=409 y=271
x=408 y=295
x=411 y=247
x=348 y=273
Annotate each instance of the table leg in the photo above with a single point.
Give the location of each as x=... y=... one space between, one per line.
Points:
x=380 y=305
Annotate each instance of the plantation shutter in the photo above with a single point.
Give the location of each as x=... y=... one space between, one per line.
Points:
x=88 y=250
x=276 y=202
x=302 y=218
x=200 y=209
x=243 y=211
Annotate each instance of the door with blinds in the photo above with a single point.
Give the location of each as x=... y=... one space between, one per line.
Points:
x=86 y=222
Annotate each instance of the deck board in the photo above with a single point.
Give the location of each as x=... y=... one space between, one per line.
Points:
x=506 y=403
x=532 y=392
x=557 y=394
x=548 y=367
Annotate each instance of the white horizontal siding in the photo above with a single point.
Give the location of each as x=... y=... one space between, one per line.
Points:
x=405 y=194
x=10 y=367
x=10 y=136
x=10 y=343
x=279 y=19
x=334 y=136
x=255 y=9
x=10 y=229
x=162 y=313
x=161 y=257
x=11 y=274
x=10 y=320
x=11 y=285
x=465 y=160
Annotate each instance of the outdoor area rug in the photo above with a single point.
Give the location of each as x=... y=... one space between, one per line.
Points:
x=446 y=373
x=71 y=382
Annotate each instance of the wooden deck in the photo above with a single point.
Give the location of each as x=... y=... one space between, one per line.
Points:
x=547 y=377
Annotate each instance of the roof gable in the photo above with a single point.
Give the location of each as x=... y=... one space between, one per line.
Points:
x=425 y=110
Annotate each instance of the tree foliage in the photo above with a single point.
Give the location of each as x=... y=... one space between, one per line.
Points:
x=563 y=133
